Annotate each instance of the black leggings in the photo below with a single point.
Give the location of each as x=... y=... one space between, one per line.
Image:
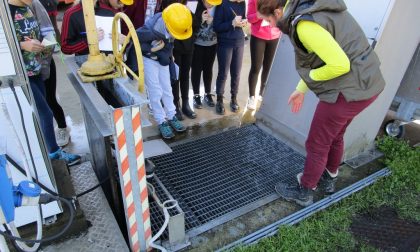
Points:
x=183 y=60
x=203 y=61
x=262 y=53
x=50 y=89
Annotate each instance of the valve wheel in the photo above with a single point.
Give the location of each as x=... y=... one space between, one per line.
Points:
x=119 y=50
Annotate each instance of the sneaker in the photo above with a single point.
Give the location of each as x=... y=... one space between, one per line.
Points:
x=166 y=131
x=297 y=193
x=177 y=125
x=70 y=159
x=327 y=183
x=234 y=105
x=208 y=98
x=260 y=98
x=252 y=105
x=62 y=136
x=220 y=108
x=197 y=102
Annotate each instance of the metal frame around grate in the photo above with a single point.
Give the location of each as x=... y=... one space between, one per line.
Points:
x=213 y=176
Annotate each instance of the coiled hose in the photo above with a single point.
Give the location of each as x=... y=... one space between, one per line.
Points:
x=166 y=205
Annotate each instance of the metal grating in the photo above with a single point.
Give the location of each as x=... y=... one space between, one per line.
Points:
x=383 y=229
x=213 y=176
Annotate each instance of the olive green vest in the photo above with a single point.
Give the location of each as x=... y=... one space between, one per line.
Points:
x=364 y=79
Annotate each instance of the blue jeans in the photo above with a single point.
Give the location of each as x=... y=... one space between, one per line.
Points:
x=229 y=58
x=44 y=113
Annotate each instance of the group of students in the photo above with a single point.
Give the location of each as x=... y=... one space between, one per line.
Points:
x=332 y=54
x=215 y=29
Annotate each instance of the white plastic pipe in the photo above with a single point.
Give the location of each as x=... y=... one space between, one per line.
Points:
x=4 y=114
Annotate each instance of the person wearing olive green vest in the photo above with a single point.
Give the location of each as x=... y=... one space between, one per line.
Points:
x=336 y=62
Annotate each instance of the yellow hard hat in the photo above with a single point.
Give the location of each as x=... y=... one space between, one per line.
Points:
x=127 y=2
x=178 y=20
x=214 y=2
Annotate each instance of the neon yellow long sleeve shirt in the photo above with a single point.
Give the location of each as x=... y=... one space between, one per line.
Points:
x=319 y=41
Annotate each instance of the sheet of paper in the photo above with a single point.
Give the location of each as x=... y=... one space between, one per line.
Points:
x=7 y=66
x=49 y=40
x=105 y=23
x=192 y=5
x=265 y=23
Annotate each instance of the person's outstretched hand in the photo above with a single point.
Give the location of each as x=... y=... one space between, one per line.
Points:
x=296 y=101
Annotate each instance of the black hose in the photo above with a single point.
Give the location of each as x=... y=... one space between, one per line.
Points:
x=13 y=162
x=24 y=128
x=53 y=237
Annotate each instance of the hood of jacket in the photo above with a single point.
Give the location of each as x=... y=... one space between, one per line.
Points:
x=297 y=8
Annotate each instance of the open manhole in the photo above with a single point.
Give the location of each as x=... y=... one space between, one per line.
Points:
x=219 y=177
x=383 y=229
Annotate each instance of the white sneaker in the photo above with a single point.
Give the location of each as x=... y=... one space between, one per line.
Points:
x=260 y=98
x=62 y=137
x=252 y=105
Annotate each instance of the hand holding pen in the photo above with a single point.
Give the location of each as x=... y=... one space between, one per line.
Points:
x=99 y=31
x=238 y=21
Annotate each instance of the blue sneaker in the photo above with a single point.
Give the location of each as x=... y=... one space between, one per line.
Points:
x=70 y=159
x=166 y=130
x=177 y=125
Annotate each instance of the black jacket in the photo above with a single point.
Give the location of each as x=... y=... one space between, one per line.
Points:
x=73 y=30
x=187 y=46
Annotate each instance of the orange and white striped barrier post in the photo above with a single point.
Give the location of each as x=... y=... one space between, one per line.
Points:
x=131 y=168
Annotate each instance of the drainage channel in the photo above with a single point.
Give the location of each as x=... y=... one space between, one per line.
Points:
x=306 y=212
x=220 y=177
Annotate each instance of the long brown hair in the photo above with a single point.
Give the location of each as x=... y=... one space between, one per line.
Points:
x=267 y=7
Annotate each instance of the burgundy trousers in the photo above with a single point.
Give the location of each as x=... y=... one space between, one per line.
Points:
x=325 y=145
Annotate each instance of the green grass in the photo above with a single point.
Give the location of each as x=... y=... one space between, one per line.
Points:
x=329 y=230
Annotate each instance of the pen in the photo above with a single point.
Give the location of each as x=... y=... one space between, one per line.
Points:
x=234 y=13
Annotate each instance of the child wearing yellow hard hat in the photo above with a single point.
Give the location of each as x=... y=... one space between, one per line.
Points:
x=156 y=38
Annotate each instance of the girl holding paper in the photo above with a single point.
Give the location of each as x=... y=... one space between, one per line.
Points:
x=73 y=30
x=28 y=34
x=264 y=40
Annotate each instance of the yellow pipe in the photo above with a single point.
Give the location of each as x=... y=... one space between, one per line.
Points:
x=96 y=63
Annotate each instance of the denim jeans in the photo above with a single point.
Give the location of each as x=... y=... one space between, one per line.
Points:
x=45 y=114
